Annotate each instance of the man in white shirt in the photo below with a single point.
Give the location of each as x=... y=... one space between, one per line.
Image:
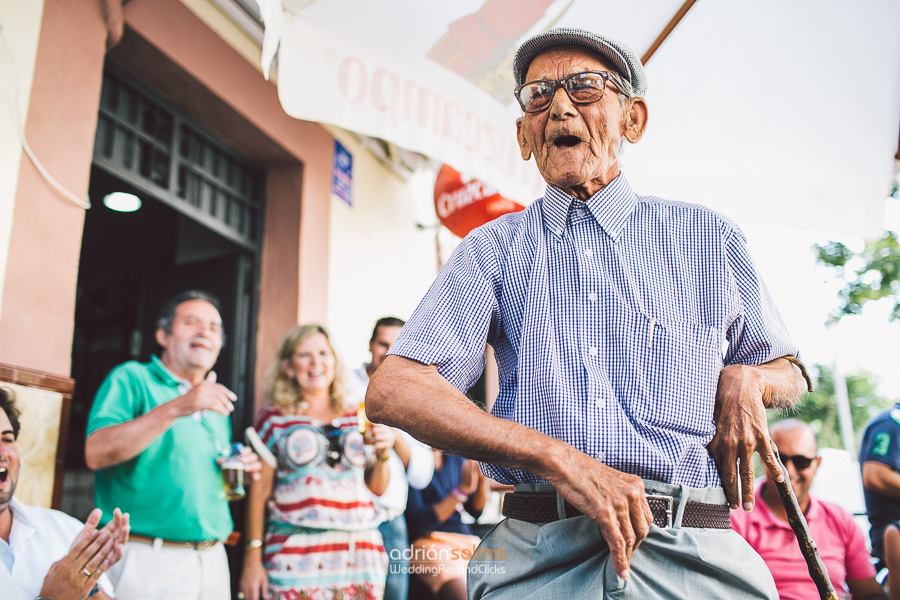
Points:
x=46 y=554
x=411 y=464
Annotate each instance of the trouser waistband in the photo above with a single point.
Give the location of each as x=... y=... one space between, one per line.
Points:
x=155 y=541
x=672 y=505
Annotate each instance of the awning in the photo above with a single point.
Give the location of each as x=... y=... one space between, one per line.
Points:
x=785 y=112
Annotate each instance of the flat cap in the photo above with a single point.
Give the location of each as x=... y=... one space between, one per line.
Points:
x=621 y=57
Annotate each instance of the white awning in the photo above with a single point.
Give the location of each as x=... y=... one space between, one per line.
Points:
x=785 y=112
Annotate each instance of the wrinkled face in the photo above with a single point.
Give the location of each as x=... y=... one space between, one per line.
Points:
x=793 y=442
x=575 y=146
x=384 y=338
x=9 y=462
x=311 y=365
x=195 y=341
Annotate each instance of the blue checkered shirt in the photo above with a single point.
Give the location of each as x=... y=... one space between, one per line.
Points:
x=610 y=320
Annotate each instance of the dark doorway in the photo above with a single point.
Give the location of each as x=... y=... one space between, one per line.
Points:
x=130 y=264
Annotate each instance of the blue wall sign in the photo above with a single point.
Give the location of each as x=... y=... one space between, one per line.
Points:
x=342 y=174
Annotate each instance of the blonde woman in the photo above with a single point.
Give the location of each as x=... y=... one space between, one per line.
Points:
x=319 y=536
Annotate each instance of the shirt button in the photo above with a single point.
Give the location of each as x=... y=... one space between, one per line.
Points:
x=600 y=403
x=601 y=456
x=592 y=351
x=559 y=231
x=588 y=252
x=592 y=297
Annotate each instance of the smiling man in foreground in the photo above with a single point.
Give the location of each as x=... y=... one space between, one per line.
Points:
x=44 y=553
x=637 y=349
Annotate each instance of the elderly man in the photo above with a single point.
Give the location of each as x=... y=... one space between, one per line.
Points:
x=608 y=313
x=839 y=540
x=46 y=554
x=156 y=435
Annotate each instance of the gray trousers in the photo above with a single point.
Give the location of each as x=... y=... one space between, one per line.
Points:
x=568 y=559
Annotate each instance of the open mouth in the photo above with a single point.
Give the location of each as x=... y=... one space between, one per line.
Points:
x=566 y=141
x=4 y=473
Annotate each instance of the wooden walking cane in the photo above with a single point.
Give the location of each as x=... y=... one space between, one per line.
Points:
x=797 y=521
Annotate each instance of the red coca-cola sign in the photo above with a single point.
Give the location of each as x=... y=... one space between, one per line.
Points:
x=461 y=206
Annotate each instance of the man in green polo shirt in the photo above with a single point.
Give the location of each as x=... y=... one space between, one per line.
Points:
x=156 y=434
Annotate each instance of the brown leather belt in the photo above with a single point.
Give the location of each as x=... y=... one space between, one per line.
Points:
x=541 y=507
x=146 y=539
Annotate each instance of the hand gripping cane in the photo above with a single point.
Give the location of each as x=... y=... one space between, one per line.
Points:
x=797 y=521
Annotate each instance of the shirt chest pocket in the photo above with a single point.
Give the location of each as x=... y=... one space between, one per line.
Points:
x=681 y=364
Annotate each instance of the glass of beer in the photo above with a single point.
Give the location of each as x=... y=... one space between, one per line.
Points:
x=233 y=472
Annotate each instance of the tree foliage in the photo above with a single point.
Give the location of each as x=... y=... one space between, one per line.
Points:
x=871 y=274
x=819 y=408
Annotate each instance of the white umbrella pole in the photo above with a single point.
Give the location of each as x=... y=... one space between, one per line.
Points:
x=842 y=400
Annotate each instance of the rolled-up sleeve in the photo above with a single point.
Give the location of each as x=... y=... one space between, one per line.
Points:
x=457 y=317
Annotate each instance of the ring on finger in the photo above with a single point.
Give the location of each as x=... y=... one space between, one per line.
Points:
x=86 y=572
x=240 y=596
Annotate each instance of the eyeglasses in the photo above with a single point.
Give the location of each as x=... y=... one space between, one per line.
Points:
x=582 y=88
x=801 y=463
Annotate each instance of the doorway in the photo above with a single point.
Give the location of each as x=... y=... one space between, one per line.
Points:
x=130 y=264
x=198 y=227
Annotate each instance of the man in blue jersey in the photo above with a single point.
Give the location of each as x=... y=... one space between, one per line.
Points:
x=637 y=350
x=879 y=457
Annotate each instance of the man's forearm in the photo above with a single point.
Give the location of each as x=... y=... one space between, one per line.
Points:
x=453 y=423
x=881 y=478
x=402 y=450
x=117 y=443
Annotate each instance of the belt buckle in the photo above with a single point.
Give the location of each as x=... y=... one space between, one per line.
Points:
x=670 y=505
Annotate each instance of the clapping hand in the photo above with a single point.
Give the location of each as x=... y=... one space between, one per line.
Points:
x=92 y=553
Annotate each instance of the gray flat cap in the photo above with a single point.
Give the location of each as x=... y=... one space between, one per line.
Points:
x=621 y=57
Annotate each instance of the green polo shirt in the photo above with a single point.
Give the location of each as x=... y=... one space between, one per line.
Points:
x=173 y=489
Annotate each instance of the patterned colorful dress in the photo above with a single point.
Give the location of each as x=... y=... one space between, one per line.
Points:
x=321 y=540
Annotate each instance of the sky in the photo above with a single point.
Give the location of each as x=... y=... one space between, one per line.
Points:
x=806 y=293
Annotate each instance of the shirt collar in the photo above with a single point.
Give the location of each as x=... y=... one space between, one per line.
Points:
x=22 y=526
x=813 y=511
x=610 y=207
x=166 y=376
x=766 y=516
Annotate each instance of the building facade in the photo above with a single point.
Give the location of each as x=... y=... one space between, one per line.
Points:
x=164 y=99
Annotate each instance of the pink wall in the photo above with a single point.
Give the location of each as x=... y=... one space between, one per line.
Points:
x=167 y=46
x=181 y=36
x=294 y=264
x=39 y=293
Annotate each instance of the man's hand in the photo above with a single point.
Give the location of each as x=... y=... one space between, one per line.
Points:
x=208 y=395
x=741 y=430
x=92 y=554
x=613 y=500
x=382 y=439
x=252 y=464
